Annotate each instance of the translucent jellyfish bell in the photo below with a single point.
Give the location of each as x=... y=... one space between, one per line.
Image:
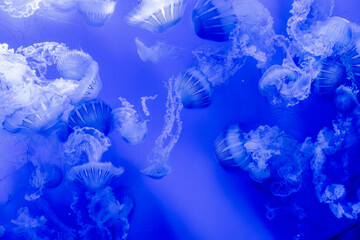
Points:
x=331 y=76
x=96 y=12
x=73 y=64
x=230 y=150
x=157 y=15
x=126 y=121
x=193 y=88
x=216 y=20
x=94 y=176
x=345 y=100
x=284 y=85
x=79 y=66
x=95 y=114
x=63 y=5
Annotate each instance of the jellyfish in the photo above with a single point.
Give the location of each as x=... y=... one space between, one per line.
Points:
x=126 y=121
x=156 y=52
x=218 y=20
x=230 y=150
x=27 y=224
x=94 y=175
x=79 y=66
x=2 y=231
x=159 y=163
x=285 y=85
x=345 y=100
x=96 y=12
x=194 y=89
x=157 y=16
x=95 y=114
x=330 y=77
x=85 y=145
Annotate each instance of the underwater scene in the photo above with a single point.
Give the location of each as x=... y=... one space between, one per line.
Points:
x=179 y=119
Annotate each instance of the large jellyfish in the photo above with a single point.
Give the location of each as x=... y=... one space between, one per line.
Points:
x=159 y=156
x=157 y=15
x=127 y=122
x=314 y=31
x=96 y=12
x=193 y=88
x=155 y=53
x=94 y=113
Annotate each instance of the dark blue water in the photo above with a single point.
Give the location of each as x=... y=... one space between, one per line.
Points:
x=199 y=199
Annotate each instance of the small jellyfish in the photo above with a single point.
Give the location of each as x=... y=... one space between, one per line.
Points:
x=345 y=100
x=230 y=150
x=95 y=114
x=157 y=16
x=126 y=121
x=284 y=85
x=85 y=145
x=216 y=20
x=330 y=77
x=96 y=12
x=155 y=53
x=20 y=8
x=159 y=163
x=193 y=88
x=94 y=176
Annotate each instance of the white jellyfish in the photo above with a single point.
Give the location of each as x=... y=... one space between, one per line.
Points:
x=79 y=66
x=85 y=145
x=285 y=85
x=229 y=148
x=159 y=156
x=94 y=176
x=155 y=53
x=127 y=122
x=27 y=224
x=96 y=12
x=63 y=5
x=157 y=15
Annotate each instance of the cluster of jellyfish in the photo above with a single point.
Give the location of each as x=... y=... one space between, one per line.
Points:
x=59 y=131
x=321 y=56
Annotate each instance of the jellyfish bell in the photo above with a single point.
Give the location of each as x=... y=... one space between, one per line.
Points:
x=157 y=16
x=53 y=175
x=131 y=129
x=193 y=88
x=330 y=77
x=73 y=64
x=229 y=148
x=96 y=12
x=337 y=32
x=95 y=114
x=94 y=176
x=345 y=100
x=216 y=20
